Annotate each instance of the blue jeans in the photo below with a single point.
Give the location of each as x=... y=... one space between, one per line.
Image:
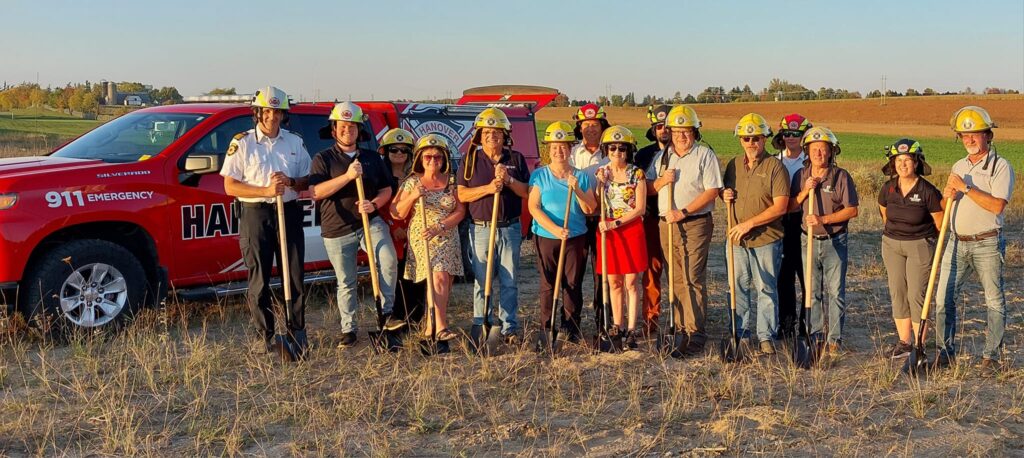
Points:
x=828 y=270
x=342 y=253
x=506 y=261
x=757 y=294
x=960 y=259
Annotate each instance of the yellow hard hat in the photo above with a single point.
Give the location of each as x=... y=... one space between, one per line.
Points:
x=618 y=134
x=752 y=124
x=493 y=117
x=682 y=116
x=971 y=119
x=397 y=136
x=347 y=111
x=559 y=132
x=270 y=97
x=432 y=141
x=819 y=134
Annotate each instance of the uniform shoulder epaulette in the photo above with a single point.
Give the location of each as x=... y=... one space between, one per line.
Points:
x=240 y=135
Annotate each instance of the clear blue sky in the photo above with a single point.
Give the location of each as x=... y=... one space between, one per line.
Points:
x=427 y=49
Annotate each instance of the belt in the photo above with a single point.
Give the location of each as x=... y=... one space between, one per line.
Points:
x=266 y=204
x=826 y=236
x=978 y=237
x=500 y=224
x=689 y=218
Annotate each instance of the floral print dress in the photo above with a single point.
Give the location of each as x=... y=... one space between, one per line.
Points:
x=445 y=249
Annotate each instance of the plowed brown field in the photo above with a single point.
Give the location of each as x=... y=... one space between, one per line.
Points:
x=913 y=116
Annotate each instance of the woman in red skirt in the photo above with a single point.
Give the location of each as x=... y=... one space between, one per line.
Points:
x=625 y=193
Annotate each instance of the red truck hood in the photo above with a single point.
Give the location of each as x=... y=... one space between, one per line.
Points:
x=32 y=165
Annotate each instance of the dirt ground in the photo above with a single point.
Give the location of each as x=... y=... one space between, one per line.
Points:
x=186 y=380
x=926 y=117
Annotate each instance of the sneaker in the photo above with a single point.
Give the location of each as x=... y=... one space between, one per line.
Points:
x=393 y=324
x=767 y=348
x=989 y=367
x=631 y=339
x=348 y=339
x=511 y=339
x=900 y=349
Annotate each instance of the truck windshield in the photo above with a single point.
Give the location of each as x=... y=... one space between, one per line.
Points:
x=132 y=137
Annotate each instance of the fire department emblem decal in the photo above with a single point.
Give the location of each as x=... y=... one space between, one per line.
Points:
x=589 y=113
x=274 y=101
x=794 y=125
x=903 y=148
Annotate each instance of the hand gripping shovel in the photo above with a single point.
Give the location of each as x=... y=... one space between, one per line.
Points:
x=605 y=342
x=478 y=335
x=675 y=342
x=918 y=360
x=803 y=353
x=548 y=341
x=729 y=348
x=284 y=346
x=385 y=340
x=430 y=346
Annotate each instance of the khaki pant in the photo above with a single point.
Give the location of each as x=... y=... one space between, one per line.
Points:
x=690 y=246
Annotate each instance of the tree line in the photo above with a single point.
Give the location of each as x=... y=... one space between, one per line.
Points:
x=777 y=90
x=79 y=97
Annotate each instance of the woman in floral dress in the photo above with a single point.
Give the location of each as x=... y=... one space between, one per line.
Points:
x=431 y=179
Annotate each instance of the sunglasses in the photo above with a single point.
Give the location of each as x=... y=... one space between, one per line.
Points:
x=751 y=139
x=792 y=134
x=659 y=126
x=432 y=158
x=617 y=148
x=398 y=149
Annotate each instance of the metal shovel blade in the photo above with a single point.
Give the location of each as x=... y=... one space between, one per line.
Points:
x=916 y=364
x=802 y=354
x=385 y=341
x=729 y=351
x=284 y=351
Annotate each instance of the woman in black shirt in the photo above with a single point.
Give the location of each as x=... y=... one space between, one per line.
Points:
x=911 y=208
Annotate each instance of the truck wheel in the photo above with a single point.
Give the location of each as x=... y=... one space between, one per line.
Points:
x=84 y=284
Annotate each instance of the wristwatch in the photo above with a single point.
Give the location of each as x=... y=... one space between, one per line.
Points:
x=685 y=212
x=967 y=189
x=374 y=205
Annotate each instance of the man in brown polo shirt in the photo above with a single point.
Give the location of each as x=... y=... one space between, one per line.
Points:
x=759 y=186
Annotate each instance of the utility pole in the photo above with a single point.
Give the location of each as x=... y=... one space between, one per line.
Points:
x=883 y=90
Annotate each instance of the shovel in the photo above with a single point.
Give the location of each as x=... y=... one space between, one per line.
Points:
x=548 y=341
x=605 y=343
x=430 y=346
x=918 y=361
x=675 y=342
x=803 y=355
x=384 y=340
x=478 y=335
x=284 y=346
x=729 y=349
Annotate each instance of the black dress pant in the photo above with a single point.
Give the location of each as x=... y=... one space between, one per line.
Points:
x=260 y=245
x=791 y=272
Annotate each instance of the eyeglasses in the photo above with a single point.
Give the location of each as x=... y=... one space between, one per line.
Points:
x=432 y=158
x=617 y=148
x=398 y=149
x=659 y=126
x=792 y=134
x=751 y=139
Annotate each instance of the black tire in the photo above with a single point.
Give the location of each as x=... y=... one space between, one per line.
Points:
x=53 y=275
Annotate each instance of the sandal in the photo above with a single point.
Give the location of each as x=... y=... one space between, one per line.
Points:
x=445 y=334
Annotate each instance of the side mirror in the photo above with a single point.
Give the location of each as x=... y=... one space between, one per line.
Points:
x=201 y=164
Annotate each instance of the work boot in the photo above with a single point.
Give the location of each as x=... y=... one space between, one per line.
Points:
x=989 y=367
x=944 y=360
x=767 y=348
x=392 y=324
x=348 y=339
x=900 y=349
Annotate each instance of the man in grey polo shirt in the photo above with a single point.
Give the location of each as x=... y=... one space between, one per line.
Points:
x=693 y=172
x=980 y=185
